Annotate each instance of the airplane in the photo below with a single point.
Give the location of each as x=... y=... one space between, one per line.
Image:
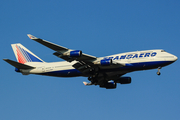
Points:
x=103 y=71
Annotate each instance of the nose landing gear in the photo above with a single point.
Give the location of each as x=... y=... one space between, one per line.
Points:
x=158 y=72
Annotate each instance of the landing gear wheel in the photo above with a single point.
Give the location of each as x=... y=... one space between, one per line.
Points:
x=91 y=70
x=93 y=81
x=93 y=78
x=89 y=78
x=94 y=72
x=158 y=73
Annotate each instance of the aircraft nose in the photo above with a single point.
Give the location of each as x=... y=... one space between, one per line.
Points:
x=175 y=58
x=172 y=57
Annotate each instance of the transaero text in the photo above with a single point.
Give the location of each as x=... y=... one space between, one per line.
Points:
x=141 y=55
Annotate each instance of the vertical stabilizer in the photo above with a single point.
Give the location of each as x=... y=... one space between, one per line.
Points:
x=23 y=55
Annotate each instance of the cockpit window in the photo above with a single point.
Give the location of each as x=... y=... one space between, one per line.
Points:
x=163 y=51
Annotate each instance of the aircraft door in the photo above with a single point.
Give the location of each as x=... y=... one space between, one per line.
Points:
x=43 y=69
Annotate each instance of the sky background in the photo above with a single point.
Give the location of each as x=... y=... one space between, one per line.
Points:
x=98 y=28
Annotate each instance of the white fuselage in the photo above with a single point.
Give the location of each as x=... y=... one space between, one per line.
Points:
x=132 y=61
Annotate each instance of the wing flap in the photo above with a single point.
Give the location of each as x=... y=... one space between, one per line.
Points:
x=86 y=57
x=18 y=65
x=58 y=54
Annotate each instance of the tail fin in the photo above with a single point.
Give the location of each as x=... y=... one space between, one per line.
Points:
x=23 y=55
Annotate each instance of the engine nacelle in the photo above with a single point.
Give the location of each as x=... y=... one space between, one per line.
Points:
x=123 y=80
x=109 y=85
x=105 y=62
x=75 y=53
x=17 y=70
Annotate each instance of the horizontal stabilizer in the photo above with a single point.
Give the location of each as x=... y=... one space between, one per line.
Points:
x=18 y=65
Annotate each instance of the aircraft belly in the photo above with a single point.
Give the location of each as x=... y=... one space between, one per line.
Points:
x=139 y=66
x=147 y=65
x=63 y=73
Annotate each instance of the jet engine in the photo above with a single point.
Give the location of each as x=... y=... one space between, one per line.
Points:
x=17 y=70
x=105 y=62
x=75 y=53
x=123 y=80
x=109 y=85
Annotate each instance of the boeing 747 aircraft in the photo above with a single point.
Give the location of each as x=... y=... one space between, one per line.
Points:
x=103 y=71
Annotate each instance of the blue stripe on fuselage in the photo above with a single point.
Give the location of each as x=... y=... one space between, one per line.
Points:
x=141 y=66
x=147 y=65
x=64 y=73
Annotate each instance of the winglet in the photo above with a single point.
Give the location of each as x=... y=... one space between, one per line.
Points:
x=85 y=83
x=32 y=37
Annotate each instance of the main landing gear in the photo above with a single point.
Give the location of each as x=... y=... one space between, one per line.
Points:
x=158 y=72
x=94 y=74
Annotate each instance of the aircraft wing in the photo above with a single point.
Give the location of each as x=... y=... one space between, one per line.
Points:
x=62 y=52
x=85 y=63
